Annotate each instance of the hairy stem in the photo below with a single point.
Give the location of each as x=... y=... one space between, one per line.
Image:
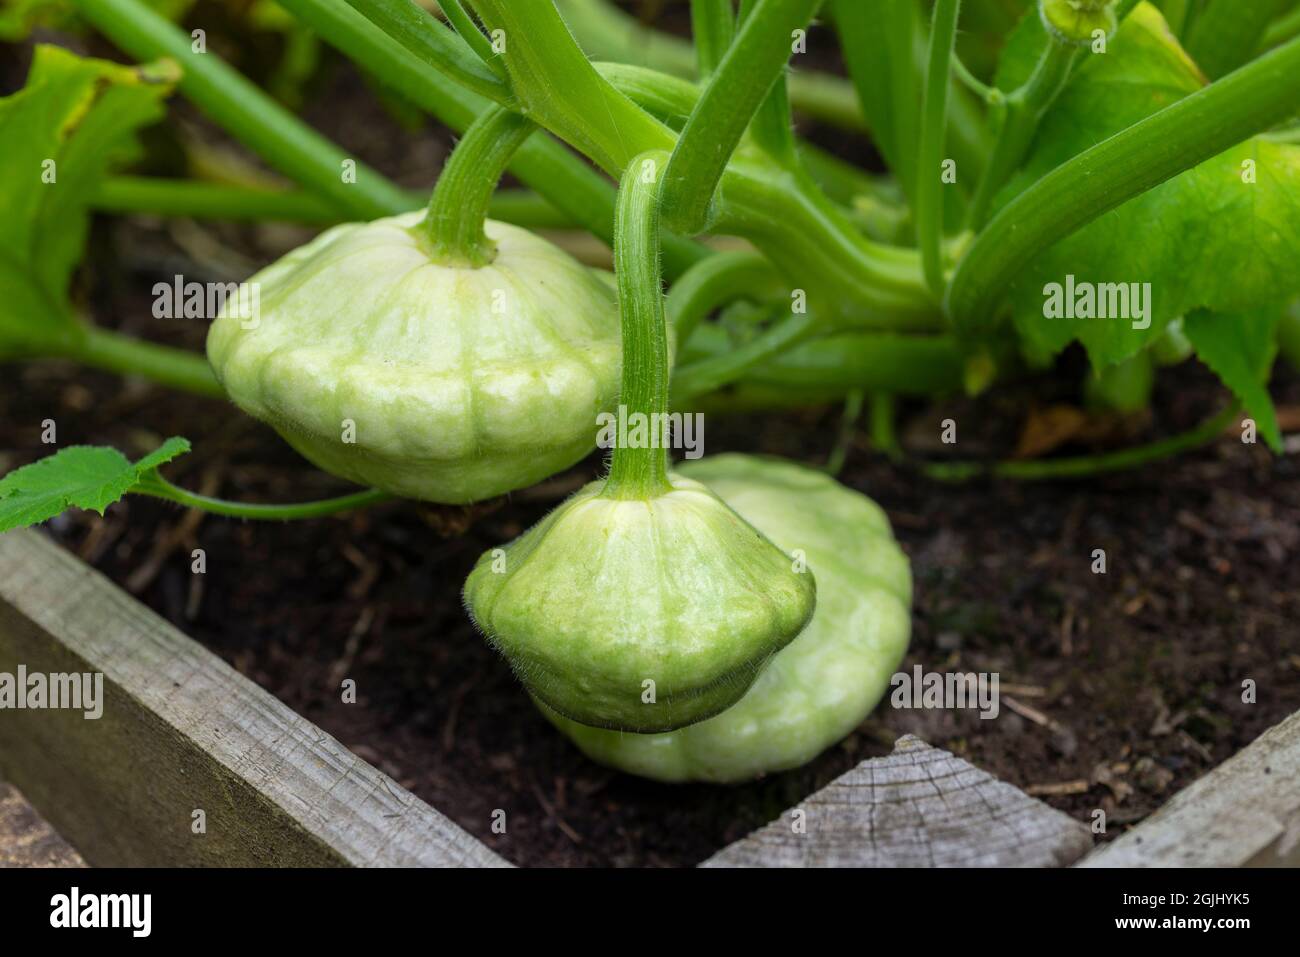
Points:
x=570 y=184
x=713 y=23
x=711 y=283
x=454 y=222
x=934 y=125
x=781 y=211
x=464 y=25
x=751 y=65
x=435 y=44
x=1018 y=116
x=608 y=33
x=641 y=472
x=715 y=372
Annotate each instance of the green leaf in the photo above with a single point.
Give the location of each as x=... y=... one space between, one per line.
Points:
x=1206 y=239
x=1023 y=48
x=1240 y=348
x=80 y=476
x=75 y=119
x=19 y=17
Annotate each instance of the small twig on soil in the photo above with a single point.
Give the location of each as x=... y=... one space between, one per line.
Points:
x=1032 y=714
x=166 y=543
x=369 y=570
x=549 y=808
x=453 y=712
x=359 y=629
x=1067 y=630
x=1055 y=789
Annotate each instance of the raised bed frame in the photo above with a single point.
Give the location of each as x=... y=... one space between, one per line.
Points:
x=181 y=732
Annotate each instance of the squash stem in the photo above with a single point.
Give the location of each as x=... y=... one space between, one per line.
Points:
x=641 y=472
x=454 y=223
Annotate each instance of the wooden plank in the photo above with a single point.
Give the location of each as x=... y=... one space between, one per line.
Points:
x=1244 y=813
x=181 y=731
x=918 y=807
x=26 y=838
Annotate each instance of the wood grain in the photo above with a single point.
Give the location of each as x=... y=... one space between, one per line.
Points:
x=183 y=731
x=1244 y=813
x=918 y=807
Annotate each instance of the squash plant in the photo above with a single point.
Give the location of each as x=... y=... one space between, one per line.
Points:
x=1124 y=175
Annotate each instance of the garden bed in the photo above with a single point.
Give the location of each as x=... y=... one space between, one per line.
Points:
x=1126 y=687
x=1118 y=690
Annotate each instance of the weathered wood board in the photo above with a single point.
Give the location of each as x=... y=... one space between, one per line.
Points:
x=918 y=807
x=26 y=838
x=1244 y=813
x=183 y=732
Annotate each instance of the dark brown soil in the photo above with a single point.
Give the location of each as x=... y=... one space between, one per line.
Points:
x=1127 y=685
x=1118 y=689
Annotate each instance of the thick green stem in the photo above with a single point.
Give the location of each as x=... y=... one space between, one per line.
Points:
x=1132 y=161
x=752 y=63
x=772 y=127
x=435 y=44
x=973 y=83
x=883 y=433
x=712 y=283
x=156 y=486
x=715 y=372
x=1084 y=465
x=570 y=184
x=641 y=472
x=934 y=125
x=883 y=43
x=782 y=212
x=202 y=200
x=454 y=223
x=1017 y=119
x=464 y=25
x=713 y=23
x=175 y=368
x=830 y=366
x=607 y=33
x=246 y=112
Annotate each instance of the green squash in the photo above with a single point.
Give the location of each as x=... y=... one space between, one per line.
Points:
x=828 y=679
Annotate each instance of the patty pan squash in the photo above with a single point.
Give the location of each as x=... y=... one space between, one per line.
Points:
x=383 y=366
x=826 y=681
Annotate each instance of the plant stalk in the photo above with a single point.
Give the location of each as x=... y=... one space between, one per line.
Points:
x=155 y=486
x=641 y=472
x=247 y=113
x=713 y=23
x=934 y=125
x=454 y=222
x=436 y=44
x=753 y=62
x=165 y=365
